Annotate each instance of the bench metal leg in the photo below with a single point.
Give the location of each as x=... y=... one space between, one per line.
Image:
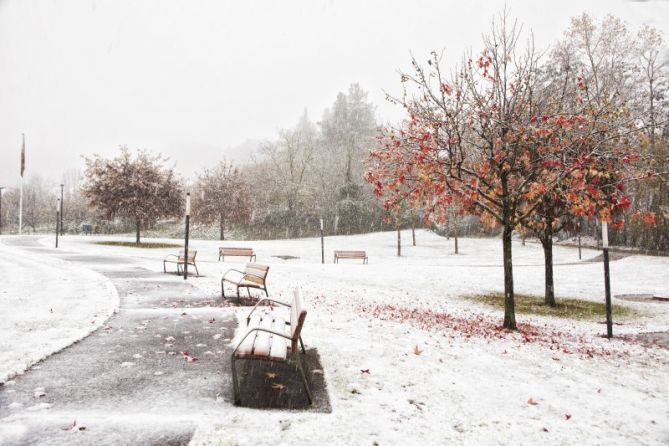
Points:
x=196 y=271
x=304 y=379
x=164 y=268
x=235 y=382
x=223 y=289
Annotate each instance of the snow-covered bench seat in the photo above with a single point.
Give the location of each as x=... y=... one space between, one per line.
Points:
x=236 y=252
x=253 y=276
x=270 y=337
x=180 y=260
x=350 y=255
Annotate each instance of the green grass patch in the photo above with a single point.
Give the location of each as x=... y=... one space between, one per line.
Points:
x=565 y=308
x=143 y=245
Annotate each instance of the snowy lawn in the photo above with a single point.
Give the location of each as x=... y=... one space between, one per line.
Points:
x=408 y=358
x=46 y=304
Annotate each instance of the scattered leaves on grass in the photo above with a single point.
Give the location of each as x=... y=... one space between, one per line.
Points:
x=271 y=375
x=188 y=357
x=477 y=325
x=278 y=386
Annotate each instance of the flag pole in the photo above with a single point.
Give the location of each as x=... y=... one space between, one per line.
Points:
x=23 y=166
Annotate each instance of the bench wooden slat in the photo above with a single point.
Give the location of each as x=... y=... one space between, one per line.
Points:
x=279 y=349
x=262 y=344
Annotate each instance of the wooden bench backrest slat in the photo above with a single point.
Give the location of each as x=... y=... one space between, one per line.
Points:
x=191 y=255
x=350 y=253
x=297 y=315
x=256 y=273
x=235 y=251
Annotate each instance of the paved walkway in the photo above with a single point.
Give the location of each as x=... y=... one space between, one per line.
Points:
x=130 y=382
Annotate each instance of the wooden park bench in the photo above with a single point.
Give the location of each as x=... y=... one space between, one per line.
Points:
x=236 y=252
x=271 y=338
x=180 y=260
x=253 y=276
x=350 y=255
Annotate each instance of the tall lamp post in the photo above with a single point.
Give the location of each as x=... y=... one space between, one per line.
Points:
x=1 y=209
x=61 y=210
x=57 y=220
x=186 y=237
x=607 y=279
x=322 y=244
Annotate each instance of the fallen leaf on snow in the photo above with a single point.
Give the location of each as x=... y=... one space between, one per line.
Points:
x=188 y=357
x=417 y=351
x=364 y=371
x=531 y=402
x=567 y=416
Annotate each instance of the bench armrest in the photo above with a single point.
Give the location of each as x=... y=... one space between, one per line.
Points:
x=248 y=318
x=232 y=269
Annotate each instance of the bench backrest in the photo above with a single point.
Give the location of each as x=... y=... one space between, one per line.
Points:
x=191 y=255
x=297 y=315
x=235 y=251
x=255 y=272
x=351 y=253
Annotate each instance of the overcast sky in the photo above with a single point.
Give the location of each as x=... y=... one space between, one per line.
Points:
x=196 y=79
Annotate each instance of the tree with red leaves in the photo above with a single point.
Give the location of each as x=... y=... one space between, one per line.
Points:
x=139 y=188
x=479 y=139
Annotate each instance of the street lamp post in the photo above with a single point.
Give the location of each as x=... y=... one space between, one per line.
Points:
x=607 y=279
x=61 y=210
x=1 y=209
x=57 y=220
x=322 y=244
x=186 y=237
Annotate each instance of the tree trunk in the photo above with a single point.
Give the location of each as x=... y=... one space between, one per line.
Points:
x=455 y=232
x=547 y=243
x=222 y=222
x=509 y=303
x=138 y=225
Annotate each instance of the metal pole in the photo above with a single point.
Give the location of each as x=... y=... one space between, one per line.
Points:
x=61 y=210
x=322 y=244
x=186 y=238
x=57 y=220
x=607 y=279
x=1 y=209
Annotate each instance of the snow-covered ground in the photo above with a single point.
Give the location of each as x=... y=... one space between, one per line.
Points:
x=407 y=360
x=46 y=304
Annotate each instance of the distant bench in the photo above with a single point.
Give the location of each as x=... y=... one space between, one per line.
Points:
x=253 y=276
x=181 y=260
x=361 y=255
x=236 y=252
